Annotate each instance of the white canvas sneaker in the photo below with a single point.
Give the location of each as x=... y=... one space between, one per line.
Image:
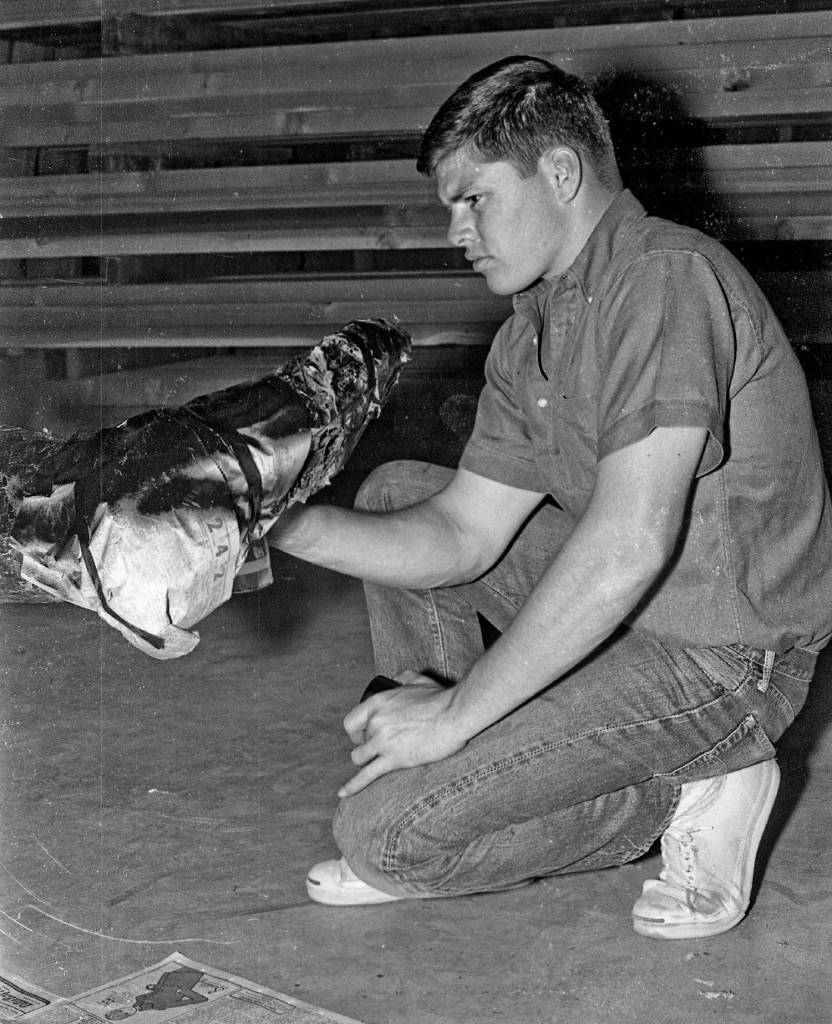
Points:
x=335 y=883
x=708 y=853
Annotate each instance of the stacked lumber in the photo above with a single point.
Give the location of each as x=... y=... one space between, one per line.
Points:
x=254 y=194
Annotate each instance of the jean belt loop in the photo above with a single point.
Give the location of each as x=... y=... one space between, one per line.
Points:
x=768 y=666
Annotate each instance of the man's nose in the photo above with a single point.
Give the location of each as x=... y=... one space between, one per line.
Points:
x=461 y=227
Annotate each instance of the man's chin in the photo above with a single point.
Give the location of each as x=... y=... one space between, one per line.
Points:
x=499 y=286
x=493 y=280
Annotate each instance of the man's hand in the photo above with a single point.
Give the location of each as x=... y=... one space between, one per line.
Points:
x=401 y=728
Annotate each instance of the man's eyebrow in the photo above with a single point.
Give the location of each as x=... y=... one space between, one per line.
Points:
x=455 y=198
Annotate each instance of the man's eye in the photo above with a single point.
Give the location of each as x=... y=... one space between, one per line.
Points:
x=473 y=200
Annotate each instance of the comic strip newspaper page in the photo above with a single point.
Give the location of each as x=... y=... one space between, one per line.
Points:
x=18 y=998
x=178 y=989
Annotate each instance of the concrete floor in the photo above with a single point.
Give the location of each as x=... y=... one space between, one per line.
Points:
x=153 y=806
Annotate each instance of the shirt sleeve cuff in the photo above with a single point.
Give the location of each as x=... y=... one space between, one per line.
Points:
x=637 y=425
x=494 y=465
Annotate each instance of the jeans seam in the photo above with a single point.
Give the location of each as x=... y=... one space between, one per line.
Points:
x=436 y=631
x=781 y=700
x=749 y=726
x=798 y=675
x=662 y=828
x=500 y=593
x=727 y=547
x=458 y=785
x=713 y=678
x=740 y=680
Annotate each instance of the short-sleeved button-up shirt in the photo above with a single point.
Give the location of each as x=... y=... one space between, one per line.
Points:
x=657 y=325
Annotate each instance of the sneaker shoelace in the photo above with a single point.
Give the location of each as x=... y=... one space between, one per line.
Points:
x=679 y=867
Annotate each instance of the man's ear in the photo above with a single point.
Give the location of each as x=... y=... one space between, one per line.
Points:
x=564 y=171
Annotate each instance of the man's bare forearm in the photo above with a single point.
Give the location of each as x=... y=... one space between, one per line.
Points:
x=414 y=548
x=451 y=537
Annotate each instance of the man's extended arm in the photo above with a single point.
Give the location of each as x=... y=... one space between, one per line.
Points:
x=452 y=537
x=620 y=548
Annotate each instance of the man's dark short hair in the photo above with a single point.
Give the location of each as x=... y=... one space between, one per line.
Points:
x=515 y=110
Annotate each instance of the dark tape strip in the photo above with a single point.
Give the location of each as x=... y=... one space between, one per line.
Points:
x=82 y=531
x=238 y=444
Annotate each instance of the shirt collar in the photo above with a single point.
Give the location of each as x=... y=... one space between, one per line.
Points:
x=589 y=266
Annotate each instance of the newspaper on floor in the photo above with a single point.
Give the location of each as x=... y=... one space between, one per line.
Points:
x=19 y=998
x=172 y=989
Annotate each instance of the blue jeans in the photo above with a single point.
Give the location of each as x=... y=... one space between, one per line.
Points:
x=586 y=774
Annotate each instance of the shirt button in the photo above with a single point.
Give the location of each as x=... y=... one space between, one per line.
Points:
x=542 y=402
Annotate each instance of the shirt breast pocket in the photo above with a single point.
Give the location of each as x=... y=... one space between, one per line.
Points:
x=575 y=422
x=574 y=437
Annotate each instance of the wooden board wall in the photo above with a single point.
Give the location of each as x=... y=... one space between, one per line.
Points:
x=220 y=175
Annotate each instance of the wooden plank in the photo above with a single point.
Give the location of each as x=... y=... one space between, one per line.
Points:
x=798 y=41
x=17 y=15
x=55 y=127
x=420 y=286
x=427 y=59
x=346 y=69
x=770 y=216
x=21 y=15
x=215 y=315
x=415 y=228
x=295 y=300
x=263 y=312
x=356 y=183
x=430 y=334
x=210 y=95
x=442 y=310
x=357 y=116
x=729 y=170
